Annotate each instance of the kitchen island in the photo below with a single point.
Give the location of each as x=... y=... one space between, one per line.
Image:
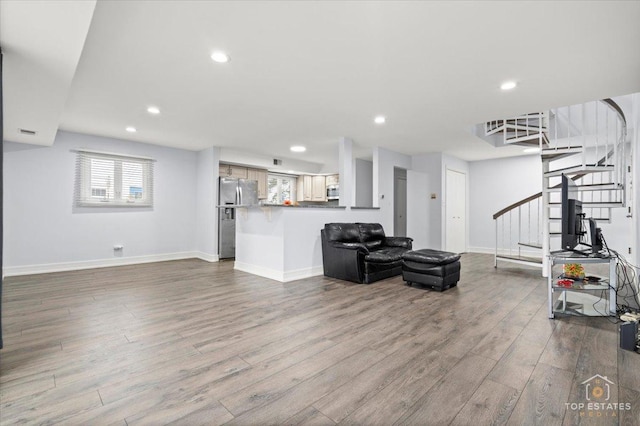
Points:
x=283 y=242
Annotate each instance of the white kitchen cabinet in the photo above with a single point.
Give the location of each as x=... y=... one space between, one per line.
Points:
x=319 y=189
x=305 y=188
x=333 y=180
x=312 y=188
x=228 y=170
x=260 y=176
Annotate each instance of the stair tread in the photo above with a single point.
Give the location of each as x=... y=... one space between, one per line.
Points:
x=603 y=219
x=592 y=187
x=581 y=169
x=532 y=245
x=595 y=204
x=530 y=259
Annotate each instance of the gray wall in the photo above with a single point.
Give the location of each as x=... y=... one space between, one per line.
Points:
x=364 y=183
x=42 y=227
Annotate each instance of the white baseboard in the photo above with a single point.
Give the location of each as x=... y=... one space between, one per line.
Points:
x=101 y=263
x=206 y=256
x=485 y=250
x=272 y=274
x=299 y=274
x=282 y=276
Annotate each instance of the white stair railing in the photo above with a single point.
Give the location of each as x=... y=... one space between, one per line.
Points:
x=526 y=128
x=587 y=143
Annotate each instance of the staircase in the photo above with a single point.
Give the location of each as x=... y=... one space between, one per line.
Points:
x=585 y=142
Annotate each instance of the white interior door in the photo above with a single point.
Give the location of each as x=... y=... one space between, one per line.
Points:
x=455 y=211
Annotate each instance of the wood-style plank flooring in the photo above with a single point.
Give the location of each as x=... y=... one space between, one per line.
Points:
x=190 y=342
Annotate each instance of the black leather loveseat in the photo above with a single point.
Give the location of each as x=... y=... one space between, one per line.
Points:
x=360 y=252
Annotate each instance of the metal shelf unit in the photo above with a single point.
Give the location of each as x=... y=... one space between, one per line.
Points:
x=568 y=257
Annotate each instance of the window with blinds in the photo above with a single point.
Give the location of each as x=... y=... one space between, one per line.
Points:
x=104 y=179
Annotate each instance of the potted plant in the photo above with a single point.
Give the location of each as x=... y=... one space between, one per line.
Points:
x=573 y=271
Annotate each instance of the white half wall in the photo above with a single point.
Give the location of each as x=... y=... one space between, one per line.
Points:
x=43 y=231
x=283 y=243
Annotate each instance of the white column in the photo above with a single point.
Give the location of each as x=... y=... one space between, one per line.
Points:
x=206 y=201
x=376 y=176
x=346 y=170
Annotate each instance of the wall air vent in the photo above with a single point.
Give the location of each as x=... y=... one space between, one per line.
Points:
x=277 y=162
x=27 y=132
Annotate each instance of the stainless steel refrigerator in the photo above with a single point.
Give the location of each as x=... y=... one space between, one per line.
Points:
x=232 y=192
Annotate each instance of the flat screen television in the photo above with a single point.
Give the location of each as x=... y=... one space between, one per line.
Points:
x=571 y=215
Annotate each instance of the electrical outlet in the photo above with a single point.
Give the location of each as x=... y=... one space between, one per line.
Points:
x=629 y=250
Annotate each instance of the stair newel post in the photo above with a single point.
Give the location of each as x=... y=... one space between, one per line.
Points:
x=519 y=230
x=495 y=257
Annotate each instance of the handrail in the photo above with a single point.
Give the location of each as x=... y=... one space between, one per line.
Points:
x=516 y=204
x=614 y=106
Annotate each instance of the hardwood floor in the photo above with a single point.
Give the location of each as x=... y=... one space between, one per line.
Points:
x=191 y=342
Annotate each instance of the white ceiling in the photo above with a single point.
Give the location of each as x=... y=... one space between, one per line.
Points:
x=311 y=72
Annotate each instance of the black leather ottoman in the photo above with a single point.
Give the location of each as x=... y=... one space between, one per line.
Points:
x=437 y=269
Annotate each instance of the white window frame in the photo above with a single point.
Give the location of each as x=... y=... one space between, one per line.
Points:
x=84 y=196
x=294 y=185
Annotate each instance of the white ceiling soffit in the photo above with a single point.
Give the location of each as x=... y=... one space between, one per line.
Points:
x=41 y=42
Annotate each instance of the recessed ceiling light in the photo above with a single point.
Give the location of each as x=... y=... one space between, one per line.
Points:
x=220 y=57
x=298 y=148
x=131 y=129
x=531 y=150
x=508 y=85
x=290 y=171
x=381 y=119
x=153 y=110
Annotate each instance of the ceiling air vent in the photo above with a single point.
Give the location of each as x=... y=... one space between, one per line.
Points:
x=27 y=132
x=277 y=162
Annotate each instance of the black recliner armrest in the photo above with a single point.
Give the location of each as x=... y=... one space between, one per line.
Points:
x=349 y=246
x=405 y=242
x=344 y=261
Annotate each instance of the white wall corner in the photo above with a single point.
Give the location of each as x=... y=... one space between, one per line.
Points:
x=207 y=256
